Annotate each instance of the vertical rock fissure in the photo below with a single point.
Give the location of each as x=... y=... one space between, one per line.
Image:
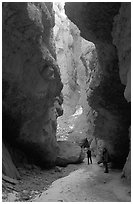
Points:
x=76 y=59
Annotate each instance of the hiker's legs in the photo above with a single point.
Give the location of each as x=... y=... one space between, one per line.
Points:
x=106 y=167
x=88 y=159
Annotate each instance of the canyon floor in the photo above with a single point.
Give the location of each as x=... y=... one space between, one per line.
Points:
x=74 y=183
x=87 y=184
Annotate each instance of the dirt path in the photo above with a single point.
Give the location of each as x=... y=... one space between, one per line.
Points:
x=87 y=184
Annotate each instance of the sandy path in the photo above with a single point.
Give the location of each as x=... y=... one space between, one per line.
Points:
x=87 y=184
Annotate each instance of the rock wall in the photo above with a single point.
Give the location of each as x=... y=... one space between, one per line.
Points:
x=73 y=56
x=122 y=40
x=107 y=25
x=31 y=80
x=8 y=167
x=67 y=39
x=90 y=64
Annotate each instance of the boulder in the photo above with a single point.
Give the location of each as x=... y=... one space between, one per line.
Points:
x=82 y=155
x=68 y=153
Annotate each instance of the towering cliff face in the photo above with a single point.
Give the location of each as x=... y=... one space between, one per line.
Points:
x=31 y=80
x=122 y=39
x=108 y=26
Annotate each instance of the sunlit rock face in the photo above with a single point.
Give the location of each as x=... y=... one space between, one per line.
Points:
x=108 y=26
x=31 y=80
x=67 y=40
x=73 y=56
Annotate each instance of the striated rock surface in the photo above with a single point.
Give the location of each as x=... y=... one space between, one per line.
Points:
x=8 y=167
x=31 y=80
x=69 y=153
x=108 y=26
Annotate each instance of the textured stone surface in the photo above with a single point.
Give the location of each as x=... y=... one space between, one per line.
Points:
x=127 y=168
x=122 y=39
x=8 y=167
x=99 y=23
x=69 y=153
x=31 y=79
x=73 y=53
x=67 y=40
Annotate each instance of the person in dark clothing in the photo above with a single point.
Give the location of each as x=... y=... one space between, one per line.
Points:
x=85 y=143
x=89 y=155
x=105 y=160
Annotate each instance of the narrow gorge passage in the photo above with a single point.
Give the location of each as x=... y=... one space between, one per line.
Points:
x=66 y=77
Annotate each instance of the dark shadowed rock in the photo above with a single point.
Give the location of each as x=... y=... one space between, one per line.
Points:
x=108 y=25
x=31 y=80
x=8 y=167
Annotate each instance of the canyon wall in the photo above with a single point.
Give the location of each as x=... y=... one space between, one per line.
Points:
x=68 y=49
x=31 y=81
x=122 y=40
x=73 y=56
x=107 y=25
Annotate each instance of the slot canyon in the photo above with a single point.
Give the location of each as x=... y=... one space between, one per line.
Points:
x=66 y=76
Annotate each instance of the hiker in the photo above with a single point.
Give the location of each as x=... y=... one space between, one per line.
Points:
x=105 y=159
x=85 y=143
x=89 y=155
